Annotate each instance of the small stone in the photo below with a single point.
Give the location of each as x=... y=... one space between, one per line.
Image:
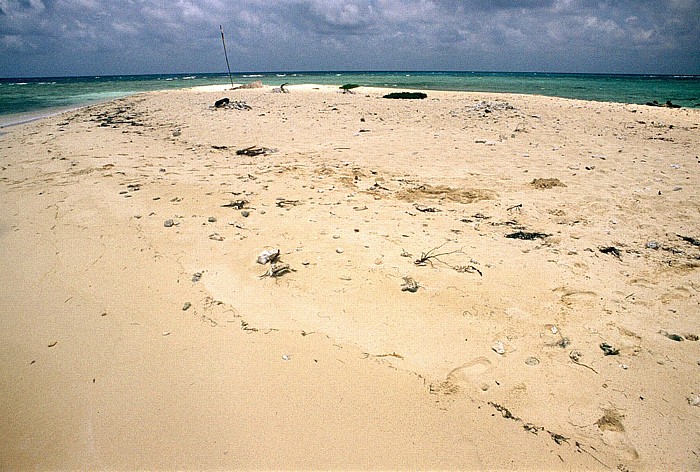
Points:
x=268 y=256
x=652 y=245
x=409 y=285
x=339 y=250
x=168 y=223
x=245 y=213
x=196 y=277
x=211 y=219
x=532 y=361
x=216 y=237
x=186 y=306
x=498 y=348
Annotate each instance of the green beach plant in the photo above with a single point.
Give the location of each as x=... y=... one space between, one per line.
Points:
x=347 y=88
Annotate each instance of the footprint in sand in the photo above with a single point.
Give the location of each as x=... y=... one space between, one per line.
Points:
x=572 y=297
x=680 y=292
x=475 y=374
x=610 y=424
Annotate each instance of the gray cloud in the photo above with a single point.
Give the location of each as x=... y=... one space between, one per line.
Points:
x=66 y=37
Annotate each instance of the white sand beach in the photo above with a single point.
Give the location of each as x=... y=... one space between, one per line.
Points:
x=454 y=266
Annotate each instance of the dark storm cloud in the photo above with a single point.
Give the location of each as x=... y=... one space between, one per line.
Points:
x=45 y=37
x=493 y=5
x=331 y=18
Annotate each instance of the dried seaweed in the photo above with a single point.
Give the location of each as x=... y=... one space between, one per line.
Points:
x=608 y=350
x=254 y=151
x=688 y=239
x=504 y=411
x=527 y=236
x=237 y=204
x=406 y=95
x=611 y=250
x=427 y=256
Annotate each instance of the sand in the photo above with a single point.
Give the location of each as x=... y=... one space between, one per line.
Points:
x=129 y=343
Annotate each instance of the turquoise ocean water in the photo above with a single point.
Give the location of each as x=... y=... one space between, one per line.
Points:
x=24 y=99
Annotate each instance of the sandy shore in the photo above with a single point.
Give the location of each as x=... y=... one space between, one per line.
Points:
x=139 y=332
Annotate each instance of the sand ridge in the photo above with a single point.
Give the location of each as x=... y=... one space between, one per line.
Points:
x=357 y=190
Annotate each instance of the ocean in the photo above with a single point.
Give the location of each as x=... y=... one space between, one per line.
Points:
x=25 y=99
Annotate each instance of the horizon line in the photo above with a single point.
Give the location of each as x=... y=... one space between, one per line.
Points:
x=350 y=71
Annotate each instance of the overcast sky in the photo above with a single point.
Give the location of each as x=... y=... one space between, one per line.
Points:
x=100 y=37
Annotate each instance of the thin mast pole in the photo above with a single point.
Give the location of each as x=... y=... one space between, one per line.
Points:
x=228 y=66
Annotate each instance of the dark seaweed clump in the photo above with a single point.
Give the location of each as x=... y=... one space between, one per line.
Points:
x=526 y=235
x=407 y=95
